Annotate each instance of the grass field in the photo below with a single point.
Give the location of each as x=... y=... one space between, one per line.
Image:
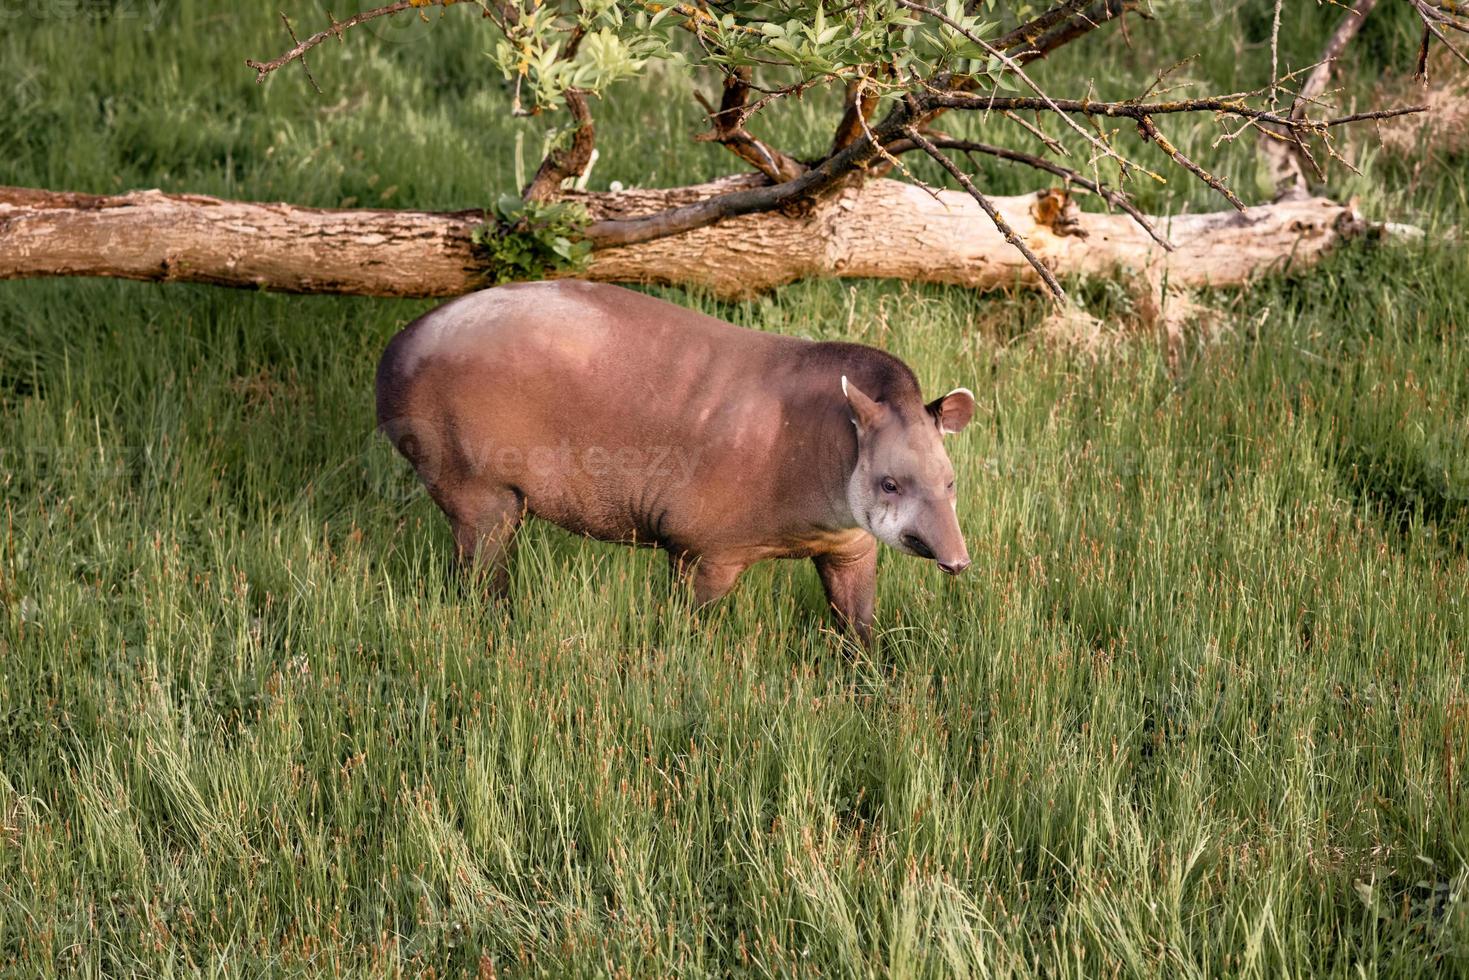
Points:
x=1199 y=708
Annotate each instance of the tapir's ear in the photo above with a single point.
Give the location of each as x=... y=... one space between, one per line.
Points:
x=953 y=411
x=865 y=411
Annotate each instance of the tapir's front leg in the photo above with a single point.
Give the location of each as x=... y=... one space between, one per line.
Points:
x=850 y=579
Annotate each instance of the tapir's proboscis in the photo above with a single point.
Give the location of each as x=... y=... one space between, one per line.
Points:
x=626 y=418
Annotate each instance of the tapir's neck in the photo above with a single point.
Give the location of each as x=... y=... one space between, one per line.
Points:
x=827 y=469
x=843 y=464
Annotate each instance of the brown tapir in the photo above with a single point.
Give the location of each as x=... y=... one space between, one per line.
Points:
x=626 y=418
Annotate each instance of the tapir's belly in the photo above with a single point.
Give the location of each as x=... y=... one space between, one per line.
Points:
x=660 y=496
x=625 y=494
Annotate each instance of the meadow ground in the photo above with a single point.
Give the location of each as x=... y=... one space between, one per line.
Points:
x=1198 y=709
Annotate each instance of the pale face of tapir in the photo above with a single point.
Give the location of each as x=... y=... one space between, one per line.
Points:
x=902 y=489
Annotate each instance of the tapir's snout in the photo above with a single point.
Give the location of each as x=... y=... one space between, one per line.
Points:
x=946 y=543
x=952 y=565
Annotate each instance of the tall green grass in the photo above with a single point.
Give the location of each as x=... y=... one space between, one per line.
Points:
x=1198 y=709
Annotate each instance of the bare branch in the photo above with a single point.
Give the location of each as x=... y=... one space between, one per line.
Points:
x=821 y=177
x=1027 y=33
x=1450 y=13
x=728 y=130
x=1136 y=110
x=989 y=208
x=1433 y=17
x=337 y=30
x=1014 y=66
x=1084 y=23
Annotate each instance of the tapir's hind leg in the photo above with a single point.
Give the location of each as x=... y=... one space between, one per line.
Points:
x=713 y=580
x=711 y=577
x=484 y=523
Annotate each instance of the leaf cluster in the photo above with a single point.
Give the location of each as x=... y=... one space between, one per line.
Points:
x=876 y=40
x=530 y=239
x=549 y=47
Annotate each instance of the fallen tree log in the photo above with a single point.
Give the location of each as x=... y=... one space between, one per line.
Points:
x=880 y=228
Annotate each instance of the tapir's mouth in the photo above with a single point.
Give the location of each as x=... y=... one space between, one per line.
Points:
x=915 y=544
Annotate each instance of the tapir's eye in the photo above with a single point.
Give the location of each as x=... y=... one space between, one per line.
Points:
x=888 y=486
x=950 y=486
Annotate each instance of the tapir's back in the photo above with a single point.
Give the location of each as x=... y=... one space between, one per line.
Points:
x=567 y=343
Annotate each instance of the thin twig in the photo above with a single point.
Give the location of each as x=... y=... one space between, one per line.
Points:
x=1163 y=75
x=291 y=31
x=1375 y=114
x=989 y=208
x=892 y=161
x=1050 y=142
x=338 y=28
x=1149 y=131
x=1113 y=197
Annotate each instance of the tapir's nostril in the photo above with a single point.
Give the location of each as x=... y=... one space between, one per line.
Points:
x=915 y=544
x=954 y=567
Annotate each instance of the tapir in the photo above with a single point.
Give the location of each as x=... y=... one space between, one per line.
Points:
x=626 y=418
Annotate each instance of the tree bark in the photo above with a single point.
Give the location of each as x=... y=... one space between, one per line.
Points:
x=881 y=229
